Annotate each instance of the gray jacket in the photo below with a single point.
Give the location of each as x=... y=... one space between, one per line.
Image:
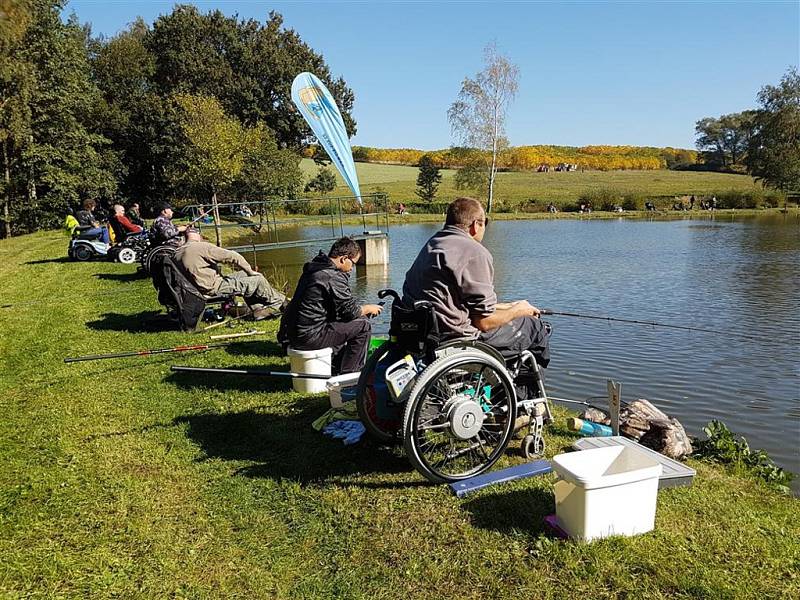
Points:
x=456 y=274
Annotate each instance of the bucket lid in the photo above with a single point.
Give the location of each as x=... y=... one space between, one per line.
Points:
x=310 y=353
x=606 y=467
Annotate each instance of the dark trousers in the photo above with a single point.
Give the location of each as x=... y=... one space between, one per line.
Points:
x=523 y=333
x=349 y=342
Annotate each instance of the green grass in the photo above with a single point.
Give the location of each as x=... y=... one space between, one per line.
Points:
x=120 y=479
x=513 y=188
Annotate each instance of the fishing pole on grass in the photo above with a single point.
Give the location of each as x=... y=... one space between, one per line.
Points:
x=148 y=352
x=256 y=372
x=549 y=312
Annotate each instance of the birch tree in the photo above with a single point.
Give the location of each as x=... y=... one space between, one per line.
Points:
x=477 y=117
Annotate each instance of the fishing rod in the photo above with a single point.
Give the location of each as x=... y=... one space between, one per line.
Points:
x=547 y=312
x=148 y=352
x=257 y=372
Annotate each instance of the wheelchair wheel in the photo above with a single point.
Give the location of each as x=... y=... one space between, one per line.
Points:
x=382 y=429
x=127 y=256
x=459 y=417
x=82 y=253
x=156 y=255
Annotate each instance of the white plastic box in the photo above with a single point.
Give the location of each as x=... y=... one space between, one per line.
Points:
x=337 y=386
x=606 y=491
x=310 y=362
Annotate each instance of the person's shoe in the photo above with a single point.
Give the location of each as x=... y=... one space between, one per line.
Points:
x=259 y=314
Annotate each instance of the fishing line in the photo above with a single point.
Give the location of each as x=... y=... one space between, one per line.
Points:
x=549 y=312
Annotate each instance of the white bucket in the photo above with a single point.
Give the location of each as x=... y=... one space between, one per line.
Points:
x=606 y=491
x=337 y=385
x=310 y=362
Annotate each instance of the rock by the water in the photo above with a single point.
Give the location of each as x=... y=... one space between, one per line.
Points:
x=643 y=422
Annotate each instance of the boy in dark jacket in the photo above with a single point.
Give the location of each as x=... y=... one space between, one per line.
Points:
x=323 y=312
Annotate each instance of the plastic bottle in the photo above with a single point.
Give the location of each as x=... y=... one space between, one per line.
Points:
x=589 y=428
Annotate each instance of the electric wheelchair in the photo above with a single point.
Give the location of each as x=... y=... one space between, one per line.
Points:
x=454 y=404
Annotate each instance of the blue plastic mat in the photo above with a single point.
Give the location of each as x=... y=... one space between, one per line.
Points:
x=473 y=484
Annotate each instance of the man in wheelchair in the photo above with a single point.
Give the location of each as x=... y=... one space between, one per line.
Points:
x=455 y=273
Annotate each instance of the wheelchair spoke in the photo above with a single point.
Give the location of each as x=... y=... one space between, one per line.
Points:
x=476 y=388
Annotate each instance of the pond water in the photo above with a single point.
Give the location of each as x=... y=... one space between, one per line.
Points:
x=732 y=275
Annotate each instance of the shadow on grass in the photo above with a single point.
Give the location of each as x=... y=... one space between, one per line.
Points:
x=123 y=277
x=256 y=347
x=286 y=446
x=222 y=382
x=47 y=261
x=518 y=510
x=143 y=322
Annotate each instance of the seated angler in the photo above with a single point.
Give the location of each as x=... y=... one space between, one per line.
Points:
x=323 y=312
x=164 y=231
x=89 y=223
x=199 y=259
x=455 y=273
x=122 y=226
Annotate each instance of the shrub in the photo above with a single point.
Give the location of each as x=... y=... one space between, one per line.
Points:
x=721 y=447
x=634 y=201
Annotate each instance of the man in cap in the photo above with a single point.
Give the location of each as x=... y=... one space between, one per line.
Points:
x=199 y=259
x=164 y=230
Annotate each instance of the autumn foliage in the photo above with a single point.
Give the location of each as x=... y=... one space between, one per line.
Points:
x=531 y=158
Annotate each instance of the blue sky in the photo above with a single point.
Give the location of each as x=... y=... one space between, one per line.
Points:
x=591 y=72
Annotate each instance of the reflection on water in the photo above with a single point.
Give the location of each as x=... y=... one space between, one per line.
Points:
x=738 y=275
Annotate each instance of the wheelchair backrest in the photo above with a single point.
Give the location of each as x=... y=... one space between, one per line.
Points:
x=414 y=328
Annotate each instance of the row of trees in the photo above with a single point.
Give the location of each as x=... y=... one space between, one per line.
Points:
x=764 y=142
x=194 y=105
x=530 y=158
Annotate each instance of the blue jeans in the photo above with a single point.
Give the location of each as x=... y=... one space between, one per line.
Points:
x=101 y=232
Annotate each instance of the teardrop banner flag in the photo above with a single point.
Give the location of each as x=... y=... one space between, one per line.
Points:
x=319 y=110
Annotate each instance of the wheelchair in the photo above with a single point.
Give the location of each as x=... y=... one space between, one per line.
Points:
x=85 y=246
x=153 y=256
x=453 y=404
x=131 y=249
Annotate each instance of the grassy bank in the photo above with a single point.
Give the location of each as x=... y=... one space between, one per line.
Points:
x=520 y=188
x=120 y=479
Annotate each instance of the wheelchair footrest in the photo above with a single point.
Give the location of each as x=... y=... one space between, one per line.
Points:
x=473 y=484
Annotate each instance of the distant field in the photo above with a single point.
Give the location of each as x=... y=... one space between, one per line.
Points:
x=400 y=181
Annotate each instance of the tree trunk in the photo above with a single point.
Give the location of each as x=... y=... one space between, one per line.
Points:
x=6 y=193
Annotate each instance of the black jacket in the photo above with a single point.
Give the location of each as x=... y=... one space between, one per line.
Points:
x=175 y=291
x=322 y=296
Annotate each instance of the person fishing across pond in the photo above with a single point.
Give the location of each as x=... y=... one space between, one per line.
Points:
x=323 y=312
x=198 y=259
